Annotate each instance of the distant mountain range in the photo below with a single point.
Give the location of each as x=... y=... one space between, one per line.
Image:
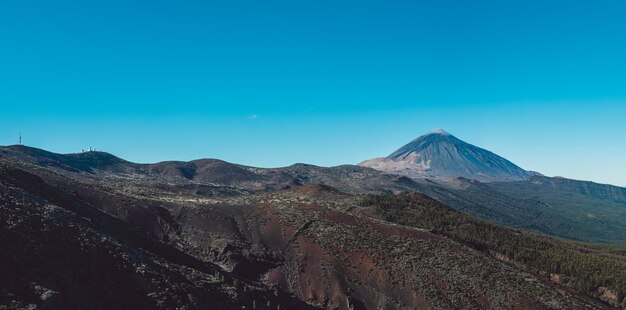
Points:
x=212 y=234
x=259 y=235
x=483 y=184
x=440 y=155
x=576 y=210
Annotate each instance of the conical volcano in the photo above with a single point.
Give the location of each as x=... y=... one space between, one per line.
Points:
x=440 y=155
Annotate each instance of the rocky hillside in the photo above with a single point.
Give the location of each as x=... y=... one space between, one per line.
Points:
x=68 y=245
x=576 y=210
x=163 y=240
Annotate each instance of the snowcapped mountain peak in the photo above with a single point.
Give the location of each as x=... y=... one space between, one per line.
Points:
x=439 y=131
x=439 y=155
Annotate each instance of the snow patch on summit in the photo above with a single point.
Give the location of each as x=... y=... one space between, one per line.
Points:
x=439 y=131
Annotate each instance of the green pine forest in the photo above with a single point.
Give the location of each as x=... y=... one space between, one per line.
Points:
x=584 y=267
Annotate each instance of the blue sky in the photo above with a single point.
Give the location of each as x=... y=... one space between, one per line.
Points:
x=271 y=83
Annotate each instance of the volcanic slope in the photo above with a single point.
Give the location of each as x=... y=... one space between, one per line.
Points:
x=575 y=210
x=68 y=245
x=440 y=155
x=162 y=244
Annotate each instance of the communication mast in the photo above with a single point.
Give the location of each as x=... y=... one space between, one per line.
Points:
x=20 y=139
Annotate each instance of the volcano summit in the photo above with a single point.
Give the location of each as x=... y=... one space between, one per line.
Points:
x=440 y=155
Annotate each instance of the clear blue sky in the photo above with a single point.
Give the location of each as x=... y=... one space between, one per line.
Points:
x=270 y=83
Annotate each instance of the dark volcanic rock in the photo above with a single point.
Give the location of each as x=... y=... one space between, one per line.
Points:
x=210 y=234
x=61 y=252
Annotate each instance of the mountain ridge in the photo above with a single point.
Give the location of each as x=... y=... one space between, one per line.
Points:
x=575 y=210
x=306 y=247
